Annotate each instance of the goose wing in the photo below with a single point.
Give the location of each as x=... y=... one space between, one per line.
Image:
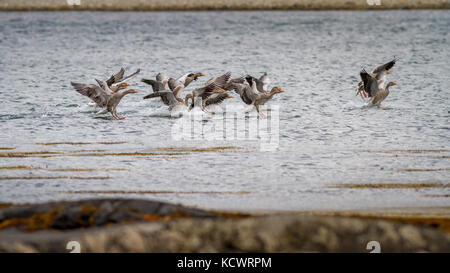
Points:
x=116 y=77
x=94 y=92
x=220 y=81
x=217 y=98
x=384 y=67
x=251 y=93
x=178 y=92
x=265 y=80
x=370 y=83
x=130 y=76
x=258 y=83
x=166 y=96
x=156 y=85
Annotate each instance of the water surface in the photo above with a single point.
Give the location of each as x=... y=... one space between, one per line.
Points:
x=54 y=146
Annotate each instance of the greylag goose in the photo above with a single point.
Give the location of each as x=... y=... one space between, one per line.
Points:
x=105 y=87
x=158 y=87
x=118 y=79
x=250 y=94
x=160 y=84
x=371 y=87
x=379 y=74
x=104 y=97
x=202 y=94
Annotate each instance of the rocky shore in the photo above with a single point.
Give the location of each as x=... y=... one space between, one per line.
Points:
x=154 y=5
x=129 y=225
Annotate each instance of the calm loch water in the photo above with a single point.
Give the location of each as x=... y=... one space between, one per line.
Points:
x=332 y=153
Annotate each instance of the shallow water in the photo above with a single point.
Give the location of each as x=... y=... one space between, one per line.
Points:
x=54 y=146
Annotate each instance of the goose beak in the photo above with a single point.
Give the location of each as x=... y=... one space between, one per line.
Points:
x=394 y=83
x=229 y=96
x=387 y=72
x=202 y=75
x=281 y=90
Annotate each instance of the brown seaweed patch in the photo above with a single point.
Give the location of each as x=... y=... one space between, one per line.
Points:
x=199 y=150
x=62 y=143
x=86 y=170
x=437 y=195
x=87 y=151
x=6 y=148
x=156 y=192
x=54 y=177
x=419 y=151
x=22 y=167
x=18 y=167
x=89 y=215
x=5 y=205
x=80 y=143
x=31 y=154
x=425 y=156
x=36 y=222
x=46 y=154
x=127 y=154
x=392 y=186
x=423 y=170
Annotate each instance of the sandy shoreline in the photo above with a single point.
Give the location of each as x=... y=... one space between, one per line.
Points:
x=155 y=5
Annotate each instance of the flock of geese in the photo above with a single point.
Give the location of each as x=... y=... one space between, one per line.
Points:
x=252 y=91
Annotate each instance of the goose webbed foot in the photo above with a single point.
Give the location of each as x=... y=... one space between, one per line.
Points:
x=117 y=117
x=362 y=94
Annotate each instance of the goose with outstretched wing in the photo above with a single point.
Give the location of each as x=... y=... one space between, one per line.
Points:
x=103 y=97
x=371 y=87
x=380 y=74
x=250 y=94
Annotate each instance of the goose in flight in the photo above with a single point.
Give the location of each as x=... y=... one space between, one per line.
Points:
x=379 y=74
x=214 y=86
x=168 y=97
x=104 y=86
x=159 y=87
x=371 y=87
x=250 y=94
x=103 y=97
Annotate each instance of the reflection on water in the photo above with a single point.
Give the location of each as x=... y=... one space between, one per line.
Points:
x=332 y=152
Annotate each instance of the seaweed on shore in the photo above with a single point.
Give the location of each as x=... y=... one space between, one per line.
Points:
x=61 y=216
